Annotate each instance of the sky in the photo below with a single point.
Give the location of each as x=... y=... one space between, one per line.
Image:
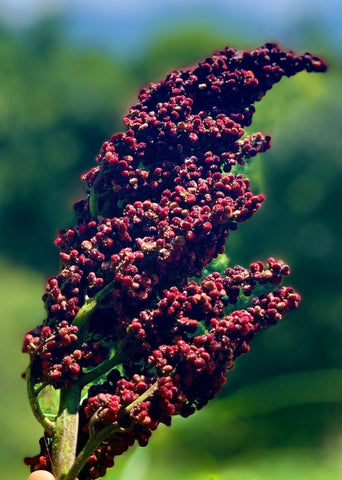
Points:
x=131 y=22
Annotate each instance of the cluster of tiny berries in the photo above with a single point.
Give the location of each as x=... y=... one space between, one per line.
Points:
x=160 y=204
x=56 y=356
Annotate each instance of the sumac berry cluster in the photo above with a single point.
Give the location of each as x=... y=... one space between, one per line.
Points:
x=125 y=311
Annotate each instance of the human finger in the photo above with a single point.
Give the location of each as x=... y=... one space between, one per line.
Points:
x=41 y=475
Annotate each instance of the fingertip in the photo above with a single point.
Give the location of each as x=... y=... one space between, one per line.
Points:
x=41 y=475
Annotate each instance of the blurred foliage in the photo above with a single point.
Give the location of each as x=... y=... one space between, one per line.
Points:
x=57 y=105
x=179 y=49
x=283 y=415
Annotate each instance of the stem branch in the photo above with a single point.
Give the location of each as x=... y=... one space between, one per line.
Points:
x=98 y=436
x=101 y=369
x=65 y=437
x=48 y=426
x=149 y=392
x=89 y=306
x=92 y=444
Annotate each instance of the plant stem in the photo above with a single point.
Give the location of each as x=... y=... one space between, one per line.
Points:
x=66 y=432
x=103 y=368
x=89 y=306
x=99 y=436
x=48 y=426
x=92 y=444
x=144 y=396
x=93 y=203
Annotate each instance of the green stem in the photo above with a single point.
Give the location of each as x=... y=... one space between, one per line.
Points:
x=66 y=432
x=92 y=444
x=99 y=436
x=149 y=392
x=93 y=207
x=90 y=305
x=48 y=426
x=93 y=199
x=103 y=368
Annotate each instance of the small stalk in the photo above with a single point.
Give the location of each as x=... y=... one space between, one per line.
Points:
x=66 y=432
x=92 y=444
x=104 y=367
x=90 y=305
x=34 y=403
x=98 y=436
x=144 y=396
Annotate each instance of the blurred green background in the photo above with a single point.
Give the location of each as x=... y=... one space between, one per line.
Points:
x=280 y=414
